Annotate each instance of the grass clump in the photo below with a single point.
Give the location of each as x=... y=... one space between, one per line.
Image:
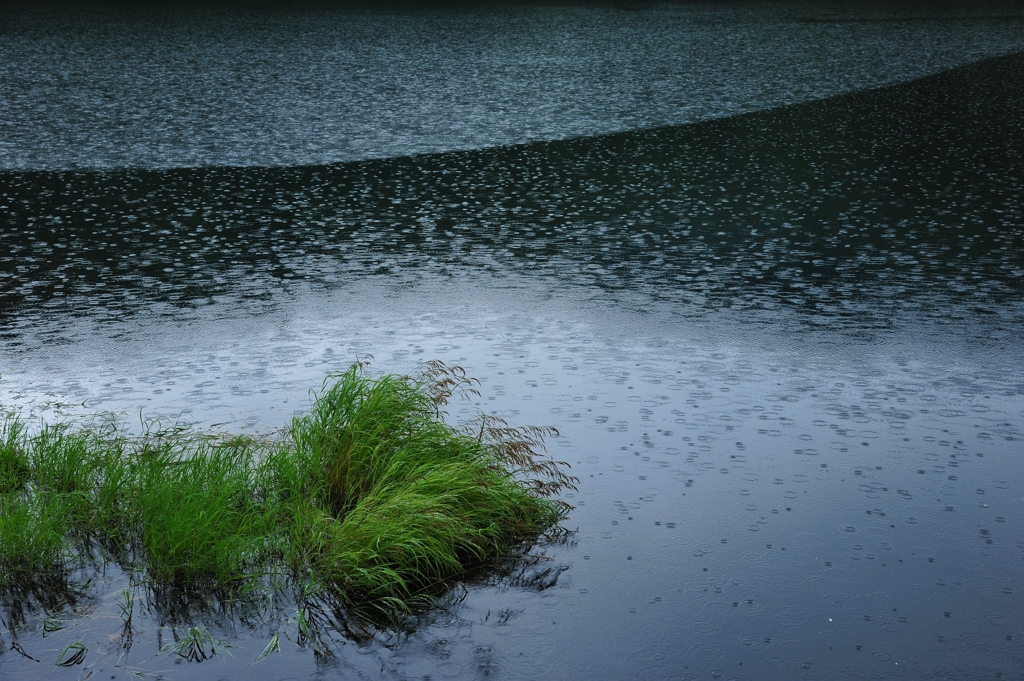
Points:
x=33 y=542
x=372 y=496
x=196 y=515
x=14 y=461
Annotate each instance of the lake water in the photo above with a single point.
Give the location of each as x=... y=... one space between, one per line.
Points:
x=762 y=268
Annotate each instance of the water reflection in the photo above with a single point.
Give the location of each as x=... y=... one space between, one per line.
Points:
x=853 y=213
x=780 y=347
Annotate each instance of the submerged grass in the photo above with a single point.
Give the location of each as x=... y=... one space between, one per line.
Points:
x=372 y=497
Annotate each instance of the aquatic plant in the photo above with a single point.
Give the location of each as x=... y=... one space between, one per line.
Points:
x=72 y=654
x=372 y=498
x=197 y=645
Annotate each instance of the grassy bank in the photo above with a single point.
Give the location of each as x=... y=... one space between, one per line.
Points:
x=371 y=497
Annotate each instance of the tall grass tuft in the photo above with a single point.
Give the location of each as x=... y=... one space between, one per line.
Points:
x=33 y=539
x=372 y=498
x=198 y=522
x=14 y=458
x=33 y=520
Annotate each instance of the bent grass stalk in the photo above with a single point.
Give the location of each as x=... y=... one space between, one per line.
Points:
x=371 y=497
x=72 y=654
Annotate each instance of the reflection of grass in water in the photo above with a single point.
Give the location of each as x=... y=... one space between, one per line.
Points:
x=371 y=498
x=72 y=654
x=197 y=645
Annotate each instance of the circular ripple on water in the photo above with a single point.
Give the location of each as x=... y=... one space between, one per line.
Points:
x=702 y=627
x=451 y=670
x=705 y=651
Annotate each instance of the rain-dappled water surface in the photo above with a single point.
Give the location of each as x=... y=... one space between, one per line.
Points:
x=781 y=348
x=205 y=86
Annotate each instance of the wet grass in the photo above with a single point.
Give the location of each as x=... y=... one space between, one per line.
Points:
x=371 y=500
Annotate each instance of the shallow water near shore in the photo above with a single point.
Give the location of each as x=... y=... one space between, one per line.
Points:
x=781 y=349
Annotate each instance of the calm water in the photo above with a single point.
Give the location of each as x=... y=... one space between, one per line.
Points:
x=774 y=311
